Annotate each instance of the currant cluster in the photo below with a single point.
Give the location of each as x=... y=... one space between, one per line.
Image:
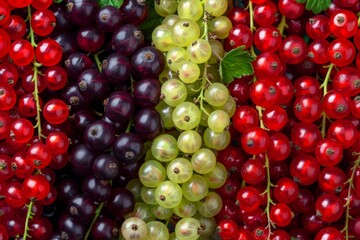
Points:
x=294 y=156
x=86 y=159
x=177 y=180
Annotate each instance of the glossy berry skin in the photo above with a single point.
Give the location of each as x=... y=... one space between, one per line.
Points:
x=105 y=167
x=48 y=52
x=5 y=43
x=341 y=52
x=328 y=152
x=248 y=199
x=329 y=233
x=308 y=108
x=279 y=147
x=116 y=68
x=264 y=93
x=254 y=140
x=336 y=104
x=38 y=155
x=267 y=39
x=317 y=27
x=40 y=228
x=238 y=36
x=22 y=130
x=238 y=15
x=36 y=187
x=119 y=106
x=21 y=52
x=265 y=14
x=304 y=169
x=128 y=148
x=90 y=38
x=244 y=118
x=274 y=117
x=147 y=62
x=232 y=158
x=109 y=18
x=306 y=85
x=343 y=23
x=105 y=228
x=293 y=49
x=267 y=65
x=99 y=136
x=318 y=51
x=57 y=142
x=82 y=12
x=305 y=136
x=147 y=123
x=14 y=195
x=304 y=203
x=332 y=180
x=81 y=207
x=231 y=187
x=281 y=214
x=253 y=172
x=343 y=131
x=15 y=27
x=347 y=80
x=286 y=89
x=286 y=190
x=55 y=78
x=43 y=22
x=291 y=8
x=227 y=229
x=92 y=85
x=329 y=207
x=55 y=111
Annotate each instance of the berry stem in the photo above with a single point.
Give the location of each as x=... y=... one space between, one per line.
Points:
x=35 y=79
x=97 y=60
x=252 y=28
x=268 y=194
x=282 y=25
x=324 y=85
x=348 y=198
x=28 y=217
x=97 y=214
x=200 y=98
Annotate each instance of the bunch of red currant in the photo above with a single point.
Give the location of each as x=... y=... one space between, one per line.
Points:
x=296 y=173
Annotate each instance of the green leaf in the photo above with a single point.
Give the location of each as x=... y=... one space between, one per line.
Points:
x=236 y=64
x=115 y=3
x=316 y=6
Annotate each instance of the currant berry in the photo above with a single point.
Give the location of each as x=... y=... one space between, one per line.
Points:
x=304 y=169
x=279 y=147
x=336 y=104
x=329 y=207
x=48 y=52
x=21 y=52
x=291 y=9
x=343 y=23
x=281 y=214
x=343 y=131
x=55 y=111
x=267 y=39
x=43 y=22
x=341 y=52
x=239 y=35
x=5 y=43
x=318 y=27
x=57 y=142
x=253 y=172
x=227 y=229
x=308 y=108
x=293 y=49
x=274 y=118
x=305 y=136
x=36 y=187
x=265 y=14
x=332 y=180
x=254 y=140
x=286 y=190
x=264 y=93
x=267 y=65
x=244 y=118
x=22 y=130
x=38 y=155
x=328 y=152
x=318 y=51
x=248 y=199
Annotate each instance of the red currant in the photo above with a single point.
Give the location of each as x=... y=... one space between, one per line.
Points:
x=55 y=111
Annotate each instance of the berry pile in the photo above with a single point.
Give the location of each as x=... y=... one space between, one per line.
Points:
x=189 y=119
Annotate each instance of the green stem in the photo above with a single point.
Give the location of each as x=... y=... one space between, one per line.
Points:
x=97 y=214
x=348 y=199
x=268 y=194
x=282 y=25
x=28 y=217
x=97 y=60
x=252 y=28
x=324 y=85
